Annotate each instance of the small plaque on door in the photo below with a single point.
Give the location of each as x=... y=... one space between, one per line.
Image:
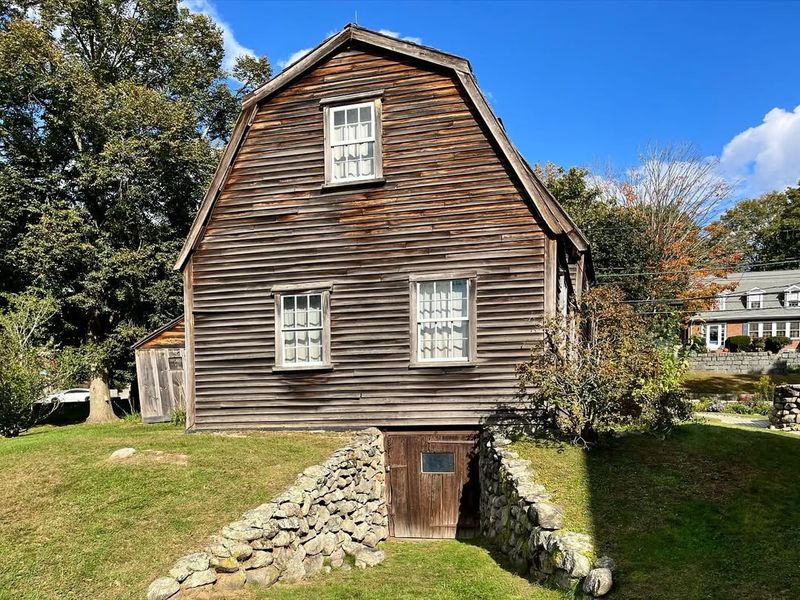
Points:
x=438 y=462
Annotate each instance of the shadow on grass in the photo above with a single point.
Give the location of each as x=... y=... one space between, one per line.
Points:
x=710 y=512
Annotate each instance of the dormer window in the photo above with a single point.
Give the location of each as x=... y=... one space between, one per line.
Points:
x=720 y=302
x=755 y=298
x=352 y=140
x=791 y=297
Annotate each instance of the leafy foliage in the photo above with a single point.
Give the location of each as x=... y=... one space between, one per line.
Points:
x=23 y=362
x=739 y=343
x=600 y=369
x=113 y=116
x=776 y=343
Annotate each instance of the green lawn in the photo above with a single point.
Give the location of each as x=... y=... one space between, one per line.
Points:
x=74 y=526
x=729 y=383
x=708 y=513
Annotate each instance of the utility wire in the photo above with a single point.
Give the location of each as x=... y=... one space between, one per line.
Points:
x=709 y=268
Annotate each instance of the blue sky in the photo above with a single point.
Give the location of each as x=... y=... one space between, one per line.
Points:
x=590 y=83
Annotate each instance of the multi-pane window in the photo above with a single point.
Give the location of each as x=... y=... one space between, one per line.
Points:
x=301 y=329
x=755 y=299
x=754 y=330
x=794 y=330
x=443 y=320
x=792 y=297
x=353 y=139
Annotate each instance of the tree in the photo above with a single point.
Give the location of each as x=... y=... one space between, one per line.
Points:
x=650 y=228
x=599 y=369
x=113 y=116
x=765 y=229
x=24 y=358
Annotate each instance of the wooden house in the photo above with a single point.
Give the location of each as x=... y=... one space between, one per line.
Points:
x=159 y=372
x=372 y=251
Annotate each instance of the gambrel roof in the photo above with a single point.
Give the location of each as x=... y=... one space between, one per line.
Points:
x=539 y=198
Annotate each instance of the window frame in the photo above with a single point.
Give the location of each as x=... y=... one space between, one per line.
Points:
x=792 y=290
x=472 y=321
x=353 y=101
x=752 y=295
x=720 y=302
x=278 y=293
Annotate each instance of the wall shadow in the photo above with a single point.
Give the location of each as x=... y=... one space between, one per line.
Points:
x=710 y=512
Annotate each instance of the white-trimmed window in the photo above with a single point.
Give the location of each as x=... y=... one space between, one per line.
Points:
x=302 y=327
x=353 y=142
x=793 y=330
x=720 y=302
x=755 y=330
x=791 y=297
x=755 y=298
x=443 y=312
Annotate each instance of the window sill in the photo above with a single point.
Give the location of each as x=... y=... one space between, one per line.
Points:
x=340 y=185
x=303 y=369
x=442 y=364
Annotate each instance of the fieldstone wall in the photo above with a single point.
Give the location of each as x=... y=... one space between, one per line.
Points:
x=517 y=515
x=744 y=362
x=786 y=408
x=333 y=516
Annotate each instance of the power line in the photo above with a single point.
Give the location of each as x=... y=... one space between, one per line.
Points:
x=708 y=268
x=776 y=288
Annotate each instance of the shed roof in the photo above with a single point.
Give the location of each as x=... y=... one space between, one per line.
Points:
x=550 y=211
x=157 y=332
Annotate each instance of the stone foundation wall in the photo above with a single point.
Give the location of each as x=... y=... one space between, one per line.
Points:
x=333 y=516
x=745 y=362
x=786 y=408
x=517 y=515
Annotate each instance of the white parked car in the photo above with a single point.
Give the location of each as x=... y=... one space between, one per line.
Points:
x=68 y=396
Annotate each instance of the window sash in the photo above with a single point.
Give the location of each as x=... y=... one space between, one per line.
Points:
x=792 y=298
x=302 y=338
x=355 y=157
x=443 y=320
x=755 y=301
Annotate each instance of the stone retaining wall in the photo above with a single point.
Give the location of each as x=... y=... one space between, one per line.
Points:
x=786 y=408
x=745 y=362
x=333 y=516
x=517 y=515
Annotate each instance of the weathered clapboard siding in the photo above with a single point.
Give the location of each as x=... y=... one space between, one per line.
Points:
x=160 y=359
x=449 y=204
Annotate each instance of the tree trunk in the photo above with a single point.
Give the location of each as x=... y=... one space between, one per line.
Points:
x=100 y=410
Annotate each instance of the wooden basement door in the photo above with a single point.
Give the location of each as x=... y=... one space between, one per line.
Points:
x=433 y=488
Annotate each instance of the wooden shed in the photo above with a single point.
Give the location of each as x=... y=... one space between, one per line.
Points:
x=159 y=370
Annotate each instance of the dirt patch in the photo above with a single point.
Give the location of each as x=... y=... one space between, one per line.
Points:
x=146 y=457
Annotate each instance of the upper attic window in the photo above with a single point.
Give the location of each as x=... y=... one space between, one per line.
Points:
x=353 y=142
x=792 y=296
x=755 y=298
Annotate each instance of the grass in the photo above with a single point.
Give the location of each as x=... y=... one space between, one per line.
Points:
x=709 y=382
x=72 y=525
x=441 y=570
x=707 y=513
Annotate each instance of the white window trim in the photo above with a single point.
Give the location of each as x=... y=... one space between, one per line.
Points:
x=472 y=315
x=721 y=302
x=756 y=294
x=278 y=292
x=792 y=290
x=328 y=107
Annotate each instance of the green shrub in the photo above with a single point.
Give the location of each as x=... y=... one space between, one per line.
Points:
x=703 y=404
x=793 y=369
x=749 y=407
x=618 y=376
x=758 y=344
x=776 y=343
x=696 y=343
x=738 y=343
x=178 y=417
x=765 y=390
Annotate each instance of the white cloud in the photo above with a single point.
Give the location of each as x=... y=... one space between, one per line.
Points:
x=294 y=57
x=233 y=49
x=394 y=34
x=765 y=157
